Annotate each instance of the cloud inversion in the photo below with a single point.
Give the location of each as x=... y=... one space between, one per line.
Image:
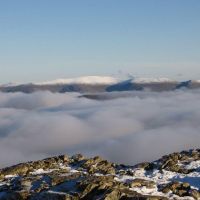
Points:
x=129 y=128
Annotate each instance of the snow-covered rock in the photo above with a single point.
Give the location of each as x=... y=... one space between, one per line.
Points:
x=174 y=176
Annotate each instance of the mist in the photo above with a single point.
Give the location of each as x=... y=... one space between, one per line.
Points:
x=128 y=128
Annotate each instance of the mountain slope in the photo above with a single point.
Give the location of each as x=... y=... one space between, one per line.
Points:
x=127 y=85
x=175 y=176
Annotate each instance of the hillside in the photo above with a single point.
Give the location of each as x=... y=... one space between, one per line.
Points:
x=174 y=176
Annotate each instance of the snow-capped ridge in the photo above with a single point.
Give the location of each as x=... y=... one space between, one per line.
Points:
x=93 y=80
x=82 y=80
x=152 y=80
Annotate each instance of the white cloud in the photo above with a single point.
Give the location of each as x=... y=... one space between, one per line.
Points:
x=141 y=126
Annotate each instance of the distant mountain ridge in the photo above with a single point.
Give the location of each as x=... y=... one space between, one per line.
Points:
x=94 y=84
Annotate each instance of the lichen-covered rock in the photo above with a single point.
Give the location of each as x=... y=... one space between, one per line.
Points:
x=98 y=165
x=142 y=183
x=77 y=158
x=60 y=178
x=132 y=195
x=20 y=169
x=195 y=194
x=81 y=178
x=112 y=195
x=180 y=189
x=146 y=166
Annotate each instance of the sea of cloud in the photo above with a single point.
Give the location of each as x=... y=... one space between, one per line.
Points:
x=128 y=128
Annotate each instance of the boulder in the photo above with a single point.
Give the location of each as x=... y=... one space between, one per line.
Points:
x=180 y=189
x=142 y=183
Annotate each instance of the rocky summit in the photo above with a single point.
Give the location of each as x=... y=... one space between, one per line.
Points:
x=174 y=176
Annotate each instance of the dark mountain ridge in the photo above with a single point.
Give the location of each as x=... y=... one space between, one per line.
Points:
x=128 y=85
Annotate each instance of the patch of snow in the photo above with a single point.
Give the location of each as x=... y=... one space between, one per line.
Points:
x=11 y=176
x=193 y=165
x=98 y=174
x=124 y=178
x=56 y=192
x=148 y=191
x=42 y=171
x=96 y=80
x=160 y=178
x=3 y=183
x=70 y=170
x=152 y=80
x=74 y=171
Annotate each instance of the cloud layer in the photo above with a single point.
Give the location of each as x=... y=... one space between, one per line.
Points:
x=129 y=128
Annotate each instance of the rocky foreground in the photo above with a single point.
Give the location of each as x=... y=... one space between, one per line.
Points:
x=175 y=176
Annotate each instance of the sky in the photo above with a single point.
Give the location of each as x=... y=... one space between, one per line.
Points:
x=49 y=39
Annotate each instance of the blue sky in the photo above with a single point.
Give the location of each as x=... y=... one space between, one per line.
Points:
x=48 y=39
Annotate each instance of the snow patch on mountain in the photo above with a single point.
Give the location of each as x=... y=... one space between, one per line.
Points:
x=82 y=80
x=93 y=80
x=152 y=80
